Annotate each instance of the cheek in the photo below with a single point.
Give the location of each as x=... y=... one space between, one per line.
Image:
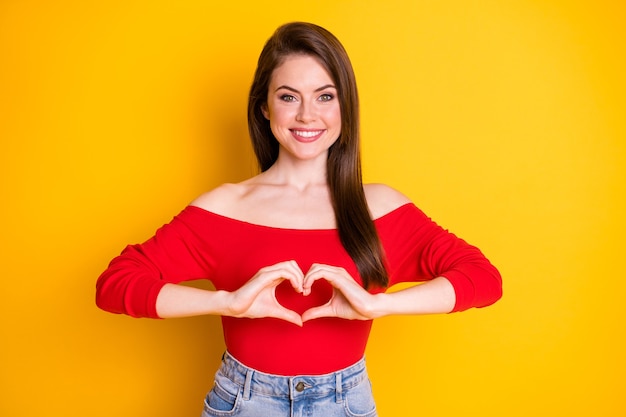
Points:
x=333 y=115
x=282 y=117
x=279 y=122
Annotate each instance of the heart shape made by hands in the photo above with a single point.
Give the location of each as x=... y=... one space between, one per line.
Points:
x=321 y=291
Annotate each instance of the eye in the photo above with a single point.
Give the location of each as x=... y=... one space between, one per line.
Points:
x=287 y=98
x=326 y=97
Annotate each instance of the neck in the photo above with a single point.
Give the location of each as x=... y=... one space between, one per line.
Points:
x=297 y=173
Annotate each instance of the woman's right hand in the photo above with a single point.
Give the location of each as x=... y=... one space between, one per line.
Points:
x=257 y=297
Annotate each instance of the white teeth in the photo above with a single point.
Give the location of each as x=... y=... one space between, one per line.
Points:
x=307 y=134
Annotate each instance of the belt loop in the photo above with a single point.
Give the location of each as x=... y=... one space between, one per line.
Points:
x=338 y=387
x=246 y=386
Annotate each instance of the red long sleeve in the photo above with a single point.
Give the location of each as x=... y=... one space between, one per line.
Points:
x=199 y=244
x=177 y=252
x=418 y=250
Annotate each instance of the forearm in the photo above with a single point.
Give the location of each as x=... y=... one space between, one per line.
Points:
x=432 y=297
x=181 y=301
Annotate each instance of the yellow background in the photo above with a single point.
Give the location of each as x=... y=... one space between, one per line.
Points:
x=503 y=120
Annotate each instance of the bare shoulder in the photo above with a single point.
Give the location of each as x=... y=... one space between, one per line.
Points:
x=383 y=199
x=222 y=199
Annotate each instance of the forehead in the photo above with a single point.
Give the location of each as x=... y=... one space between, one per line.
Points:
x=300 y=70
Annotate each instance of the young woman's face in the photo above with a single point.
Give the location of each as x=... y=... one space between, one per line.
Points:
x=303 y=108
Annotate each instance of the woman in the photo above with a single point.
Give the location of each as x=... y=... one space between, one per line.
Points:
x=301 y=254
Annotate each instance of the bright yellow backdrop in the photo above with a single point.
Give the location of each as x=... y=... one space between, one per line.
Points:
x=503 y=120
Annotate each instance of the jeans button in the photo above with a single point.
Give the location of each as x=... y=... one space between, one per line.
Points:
x=300 y=386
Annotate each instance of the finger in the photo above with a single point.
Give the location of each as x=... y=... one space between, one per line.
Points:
x=318 y=312
x=337 y=277
x=297 y=276
x=273 y=275
x=288 y=270
x=313 y=274
x=288 y=315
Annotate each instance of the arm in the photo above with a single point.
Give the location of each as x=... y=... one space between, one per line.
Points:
x=185 y=249
x=134 y=279
x=182 y=301
x=454 y=275
x=419 y=250
x=431 y=297
x=351 y=301
x=255 y=299
x=132 y=291
x=143 y=280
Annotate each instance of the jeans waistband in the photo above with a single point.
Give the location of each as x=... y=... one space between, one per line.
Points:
x=292 y=386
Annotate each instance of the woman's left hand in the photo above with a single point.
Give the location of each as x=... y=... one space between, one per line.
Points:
x=348 y=301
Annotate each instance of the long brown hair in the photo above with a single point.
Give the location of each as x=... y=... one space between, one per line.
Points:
x=354 y=224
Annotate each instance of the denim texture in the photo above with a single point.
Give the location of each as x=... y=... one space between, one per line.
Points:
x=244 y=392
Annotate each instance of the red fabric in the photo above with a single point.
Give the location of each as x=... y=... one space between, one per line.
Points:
x=198 y=244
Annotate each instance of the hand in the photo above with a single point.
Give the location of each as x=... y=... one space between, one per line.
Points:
x=348 y=301
x=257 y=298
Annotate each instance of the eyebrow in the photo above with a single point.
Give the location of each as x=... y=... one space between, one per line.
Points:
x=324 y=87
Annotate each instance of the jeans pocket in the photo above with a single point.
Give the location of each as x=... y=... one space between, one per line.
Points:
x=223 y=399
x=359 y=400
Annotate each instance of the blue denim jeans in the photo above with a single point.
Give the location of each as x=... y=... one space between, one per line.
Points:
x=243 y=392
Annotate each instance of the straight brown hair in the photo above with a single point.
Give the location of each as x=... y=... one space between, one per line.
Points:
x=354 y=223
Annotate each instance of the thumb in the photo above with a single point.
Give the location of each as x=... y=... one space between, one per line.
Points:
x=288 y=315
x=318 y=312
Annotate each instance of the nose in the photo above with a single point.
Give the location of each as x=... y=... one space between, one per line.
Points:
x=306 y=113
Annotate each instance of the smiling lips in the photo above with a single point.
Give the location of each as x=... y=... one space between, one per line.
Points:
x=306 y=135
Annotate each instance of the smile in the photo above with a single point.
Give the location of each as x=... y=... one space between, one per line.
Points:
x=307 y=135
